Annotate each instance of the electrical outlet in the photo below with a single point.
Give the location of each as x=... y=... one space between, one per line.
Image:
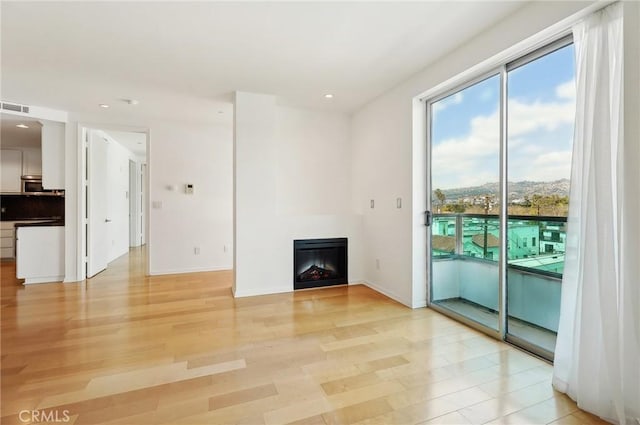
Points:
x=373 y=203
x=196 y=250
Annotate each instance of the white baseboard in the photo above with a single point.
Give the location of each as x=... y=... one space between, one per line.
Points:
x=388 y=293
x=263 y=291
x=189 y=270
x=72 y=279
x=45 y=279
x=419 y=304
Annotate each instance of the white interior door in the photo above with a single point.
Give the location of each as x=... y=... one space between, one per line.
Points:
x=97 y=232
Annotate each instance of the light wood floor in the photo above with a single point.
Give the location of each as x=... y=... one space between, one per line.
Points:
x=128 y=349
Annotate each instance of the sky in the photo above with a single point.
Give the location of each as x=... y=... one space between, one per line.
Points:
x=541 y=108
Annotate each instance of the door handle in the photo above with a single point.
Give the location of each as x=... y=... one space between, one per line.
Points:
x=428 y=218
x=106 y=220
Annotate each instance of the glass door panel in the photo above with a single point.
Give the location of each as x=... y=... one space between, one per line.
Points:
x=541 y=109
x=465 y=193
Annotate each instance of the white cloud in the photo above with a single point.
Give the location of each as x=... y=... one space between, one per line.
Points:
x=528 y=117
x=441 y=105
x=550 y=166
x=471 y=159
x=487 y=94
x=566 y=90
x=538 y=147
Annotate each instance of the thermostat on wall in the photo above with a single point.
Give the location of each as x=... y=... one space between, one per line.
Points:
x=188 y=189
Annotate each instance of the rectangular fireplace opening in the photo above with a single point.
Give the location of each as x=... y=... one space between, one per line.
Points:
x=319 y=262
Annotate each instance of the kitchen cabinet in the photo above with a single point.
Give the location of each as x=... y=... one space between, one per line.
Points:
x=53 y=141
x=32 y=162
x=11 y=165
x=40 y=254
x=8 y=239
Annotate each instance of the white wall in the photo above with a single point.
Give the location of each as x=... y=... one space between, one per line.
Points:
x=293 y=181
x=388 y=162
x=631 y=193
x=313 y=157
x=200 y=154
x=73 y=265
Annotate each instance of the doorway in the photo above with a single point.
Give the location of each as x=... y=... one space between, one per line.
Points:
x=114 y=195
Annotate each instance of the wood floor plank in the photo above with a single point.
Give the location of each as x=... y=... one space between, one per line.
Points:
x=124 y=348
x=242 y=396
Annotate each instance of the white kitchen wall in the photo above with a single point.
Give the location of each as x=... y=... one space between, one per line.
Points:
x=387 y=164
x=292 y=171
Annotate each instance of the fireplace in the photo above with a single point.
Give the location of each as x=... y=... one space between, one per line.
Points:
x=319 y=262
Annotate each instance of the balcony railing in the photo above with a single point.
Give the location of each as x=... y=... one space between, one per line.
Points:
x=465 y=272
x=535 y=244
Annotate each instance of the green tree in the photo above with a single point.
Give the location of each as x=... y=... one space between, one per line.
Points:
x=458 y=207
x=441 y=196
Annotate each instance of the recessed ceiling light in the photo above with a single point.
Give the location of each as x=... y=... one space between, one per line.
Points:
x=104 y=105
x=328 y=96
x=22 y=126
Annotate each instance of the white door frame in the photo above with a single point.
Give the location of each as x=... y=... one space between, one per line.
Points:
x=97 y=213
x=134 y=227
x=81 y=222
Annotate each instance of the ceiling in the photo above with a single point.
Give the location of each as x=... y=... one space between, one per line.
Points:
x=16 y=137
x=185 y=59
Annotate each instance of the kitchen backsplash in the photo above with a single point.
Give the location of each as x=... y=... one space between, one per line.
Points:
x=31 y=207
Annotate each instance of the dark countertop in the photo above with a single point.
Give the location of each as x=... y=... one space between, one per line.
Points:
x=41 y=223
x=57 y=193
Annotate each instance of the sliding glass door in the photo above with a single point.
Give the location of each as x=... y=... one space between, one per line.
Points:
x=499 y=159
x=541 y=110
x=465 y=172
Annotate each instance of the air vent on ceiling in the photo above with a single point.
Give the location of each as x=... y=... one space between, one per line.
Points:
x=15 y=107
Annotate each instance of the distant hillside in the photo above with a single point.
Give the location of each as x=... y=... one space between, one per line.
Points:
x=517 y=190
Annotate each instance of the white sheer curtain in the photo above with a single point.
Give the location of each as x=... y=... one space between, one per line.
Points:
x=597 y=357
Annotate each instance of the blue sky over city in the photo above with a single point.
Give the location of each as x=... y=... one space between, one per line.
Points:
x=541 y=107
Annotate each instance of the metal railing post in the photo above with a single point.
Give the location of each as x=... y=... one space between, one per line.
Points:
x=459 y=244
